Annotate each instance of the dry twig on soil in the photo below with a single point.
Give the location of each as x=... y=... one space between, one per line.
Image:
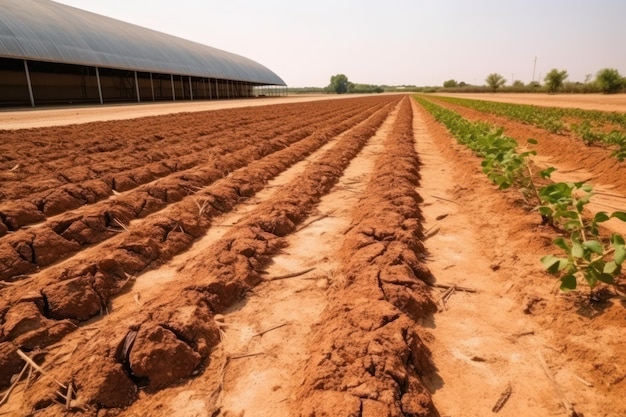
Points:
x=120 y=224
x=8 y=392
x=430 y=234
x=269 y=330
x=292 y=275
x=444 y=199
x=201 y=208
x=566 y=403
x=36 y=367
x=247 y=355
x=444 y=297
x=582 y=381
x=456 y=287
x=317 y=219
x=503 y=399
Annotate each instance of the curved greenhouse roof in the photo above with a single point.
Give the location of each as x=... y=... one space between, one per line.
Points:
x=43 y=30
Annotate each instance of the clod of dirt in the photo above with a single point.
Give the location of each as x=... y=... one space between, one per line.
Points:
x=19 y=213
x=104 y=382
x=192 y=322
x=49 y=247
x=161 y=357
x=12 y=263
x=72 y=299
x=58 y=201
x=22 y=318
x=416 y=303
x=10 y=363
x=90 y=229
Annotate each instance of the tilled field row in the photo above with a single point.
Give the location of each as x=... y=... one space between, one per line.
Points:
x=40 y=191
x=236 y=261
x=101 y=141
x=27 y=250
x=105 y=158
x=369 y=356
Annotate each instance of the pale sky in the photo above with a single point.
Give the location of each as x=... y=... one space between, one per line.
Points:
x=395 y=42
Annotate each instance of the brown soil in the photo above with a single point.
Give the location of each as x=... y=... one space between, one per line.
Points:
x=285 y=260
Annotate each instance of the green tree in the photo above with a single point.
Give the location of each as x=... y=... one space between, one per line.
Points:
x=339 y=84
x=450 y=83
x=495 y=81
x=518 y=84
x=609 y=80
x=554 y=79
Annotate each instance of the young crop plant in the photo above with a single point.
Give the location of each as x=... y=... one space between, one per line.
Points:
x=502 y=163
x=552 y=119
x=588 y=257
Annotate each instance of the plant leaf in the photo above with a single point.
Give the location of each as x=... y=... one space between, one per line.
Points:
x=594 y=246
x=568 y=283
x=606 y=278
x=620 y=215
x=617 y=241
x=547 y=172
x=577 y=249
x=561 y=243
x=553 y=264
x=545 y=211
x=611 y=268
x=600 y=217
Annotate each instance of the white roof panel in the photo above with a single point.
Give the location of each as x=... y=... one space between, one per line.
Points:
x=42 y=30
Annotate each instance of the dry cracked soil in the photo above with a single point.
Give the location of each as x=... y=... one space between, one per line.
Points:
x=295 y=257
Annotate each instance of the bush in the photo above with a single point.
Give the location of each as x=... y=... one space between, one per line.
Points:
x=495 y=81
x=610 y=81
x=554 y=80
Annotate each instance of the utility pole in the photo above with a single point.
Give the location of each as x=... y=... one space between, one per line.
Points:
x=534 y=68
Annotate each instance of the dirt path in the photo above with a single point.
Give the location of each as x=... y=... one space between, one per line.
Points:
x=46 y=117
x=603 y=102
x=476 y=346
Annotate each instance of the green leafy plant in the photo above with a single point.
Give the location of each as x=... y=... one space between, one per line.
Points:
x=588 y=257
x=562 y=206
x=502 y=163
x=589 y=129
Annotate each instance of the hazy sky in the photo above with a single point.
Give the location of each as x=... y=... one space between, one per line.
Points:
x=395 y=41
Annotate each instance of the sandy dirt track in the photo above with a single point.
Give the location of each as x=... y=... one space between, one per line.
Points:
x=61 y=116
x=291 y=260
x=602 y=102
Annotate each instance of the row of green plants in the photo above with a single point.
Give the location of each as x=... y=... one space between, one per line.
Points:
x=555 y=120
x=586 y=256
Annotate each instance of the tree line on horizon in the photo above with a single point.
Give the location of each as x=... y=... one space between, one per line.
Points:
x=607 y=80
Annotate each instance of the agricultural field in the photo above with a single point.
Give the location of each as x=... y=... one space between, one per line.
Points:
x=372 y=256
